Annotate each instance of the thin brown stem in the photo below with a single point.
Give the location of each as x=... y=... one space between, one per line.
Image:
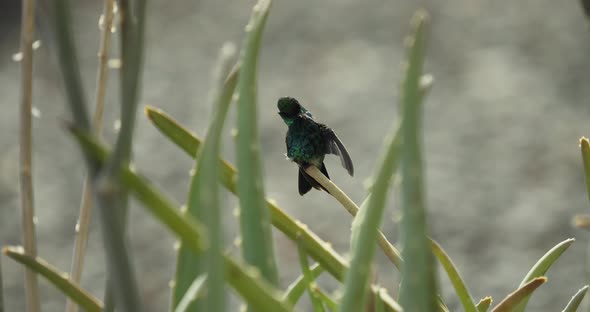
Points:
x=108 y=15
x=388 y=249
x=26 y=176
x=83 y=225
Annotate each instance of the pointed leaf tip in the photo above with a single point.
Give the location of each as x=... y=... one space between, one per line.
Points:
x=58 y=279
x=454 y=277
x=147 y=110
x=484 y=304
x=545 y=262
x=574 y=303
x=513 y=301
x=542 y=266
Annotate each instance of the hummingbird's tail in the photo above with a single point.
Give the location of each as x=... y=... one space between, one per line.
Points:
x=306 y=182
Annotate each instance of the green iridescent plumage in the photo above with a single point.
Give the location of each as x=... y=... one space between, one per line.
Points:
x=309 y=141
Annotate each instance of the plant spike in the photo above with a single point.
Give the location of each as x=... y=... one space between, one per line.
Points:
x=204 y=200
x=255 y=228
x=418 y=289
x=574 y=303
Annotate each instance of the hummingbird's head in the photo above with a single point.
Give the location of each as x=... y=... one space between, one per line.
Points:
x=289 y=109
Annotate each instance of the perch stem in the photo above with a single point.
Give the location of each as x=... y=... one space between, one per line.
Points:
x=388 y=249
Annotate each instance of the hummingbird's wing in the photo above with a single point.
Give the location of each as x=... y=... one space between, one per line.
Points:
x=336 y=147
x=306 y=112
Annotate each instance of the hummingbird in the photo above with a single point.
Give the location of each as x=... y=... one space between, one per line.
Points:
x=308 y=142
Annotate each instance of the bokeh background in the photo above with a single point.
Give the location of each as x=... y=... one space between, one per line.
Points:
x=501 y=129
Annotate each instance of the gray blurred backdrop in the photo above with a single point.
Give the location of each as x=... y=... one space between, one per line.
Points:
x=501 y=129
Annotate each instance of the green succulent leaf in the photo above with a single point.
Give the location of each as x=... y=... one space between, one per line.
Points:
x=204 y=200
x=455 y=277
x=484 y=304
x=574 y=303
x=418 y=289
x=542 y=266
x=518 y=296
x=58 y=279
x=309 y=281
x=326 y=299
x=297 y=288
x=255 y=226
x=191 y=294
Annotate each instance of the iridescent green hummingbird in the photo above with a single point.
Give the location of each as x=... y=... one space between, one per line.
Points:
x=308 y=142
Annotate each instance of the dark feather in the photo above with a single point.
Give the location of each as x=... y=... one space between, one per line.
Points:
x=304 y=185
x=336 y=147
x=306 y=182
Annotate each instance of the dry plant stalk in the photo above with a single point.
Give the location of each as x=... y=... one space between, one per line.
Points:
x=83 y=225
x=25 y=161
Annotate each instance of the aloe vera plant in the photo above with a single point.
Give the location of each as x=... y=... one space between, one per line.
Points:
x=205 y=270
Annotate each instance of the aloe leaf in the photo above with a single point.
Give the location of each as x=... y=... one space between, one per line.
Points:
x=484 y=304
x=248 y=282
x=191 y=294
x=326 y=299
x=522 y=293
x=204 y=202
x=542 y=266
x=366 y=229
x=297 y=288
x=391 y=305
x=58 y=279
x=418 y=289
x=111 y=197
x=255 y=227
x=133 y=17
x=309 y=280
x=455 y=277
x=574 y=303
x=69 y=65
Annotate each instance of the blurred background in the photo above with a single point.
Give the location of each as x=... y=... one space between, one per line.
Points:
x=501 y=129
